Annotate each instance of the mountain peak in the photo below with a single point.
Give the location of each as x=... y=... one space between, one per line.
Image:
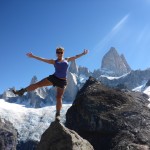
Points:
x=113 y=50
x=114 y=64
x=34 y=79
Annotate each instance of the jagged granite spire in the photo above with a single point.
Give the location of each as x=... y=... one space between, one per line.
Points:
x=125 y=62
x=73 y=68
x=114 y=64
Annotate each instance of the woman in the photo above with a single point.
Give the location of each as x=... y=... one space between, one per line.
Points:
x=58 y=79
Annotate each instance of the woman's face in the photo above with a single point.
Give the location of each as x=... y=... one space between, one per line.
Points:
x=59 y=54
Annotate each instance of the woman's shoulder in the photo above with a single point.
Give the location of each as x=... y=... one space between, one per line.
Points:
x=67 y=59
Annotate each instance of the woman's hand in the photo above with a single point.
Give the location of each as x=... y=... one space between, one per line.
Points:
x=30 y=55
x=85 y=51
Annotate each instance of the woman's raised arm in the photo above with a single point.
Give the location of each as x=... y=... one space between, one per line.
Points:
x=78 y=56
x=50 y=61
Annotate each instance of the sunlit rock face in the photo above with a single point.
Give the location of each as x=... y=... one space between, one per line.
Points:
x=58 y=137
x=114 y=64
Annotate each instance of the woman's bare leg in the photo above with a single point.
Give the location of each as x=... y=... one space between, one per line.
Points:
x=43 y=82
x=59 y=95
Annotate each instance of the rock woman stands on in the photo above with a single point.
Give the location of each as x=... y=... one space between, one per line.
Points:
x=58 y=79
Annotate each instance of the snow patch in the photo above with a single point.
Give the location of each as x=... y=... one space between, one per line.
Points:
x=113 y=78
x=138 y=89
x=143 y=89
x=147 y=91
x=82 y=78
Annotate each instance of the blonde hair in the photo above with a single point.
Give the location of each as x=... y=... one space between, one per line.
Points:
x=60 y=49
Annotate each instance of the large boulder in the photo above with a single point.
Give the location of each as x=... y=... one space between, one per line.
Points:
x=109 y=118
x=58 y=137
x=8 y=136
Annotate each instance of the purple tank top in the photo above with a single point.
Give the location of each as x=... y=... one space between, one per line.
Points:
x=61 y=68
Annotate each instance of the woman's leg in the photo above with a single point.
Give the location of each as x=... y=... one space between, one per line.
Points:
x=43 y=82
x=59 y=95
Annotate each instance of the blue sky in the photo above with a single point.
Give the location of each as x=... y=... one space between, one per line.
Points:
x=40 y=26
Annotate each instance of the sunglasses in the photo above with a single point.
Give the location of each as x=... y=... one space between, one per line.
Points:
x=59 y=52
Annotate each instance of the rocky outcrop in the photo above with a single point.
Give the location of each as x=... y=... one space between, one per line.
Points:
x=8 y=136
x=113 y=64
x=109 y=118
x=58 y=137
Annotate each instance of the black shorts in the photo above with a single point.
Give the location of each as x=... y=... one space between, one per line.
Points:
x=57 y=81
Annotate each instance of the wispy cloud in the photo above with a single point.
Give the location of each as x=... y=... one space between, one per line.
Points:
x=120 y=23
x=143 y=36
x=118 y=26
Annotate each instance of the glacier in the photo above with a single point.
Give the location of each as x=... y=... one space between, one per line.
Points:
x=30 y=123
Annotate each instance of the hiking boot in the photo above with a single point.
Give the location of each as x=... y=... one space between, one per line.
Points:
x=57 y=117
x=19 y=92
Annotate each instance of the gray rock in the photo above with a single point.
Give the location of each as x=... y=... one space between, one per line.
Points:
x=8 y=136
x=114 y=64
x=58 y=137
x=109 y=118
x=126 y=63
